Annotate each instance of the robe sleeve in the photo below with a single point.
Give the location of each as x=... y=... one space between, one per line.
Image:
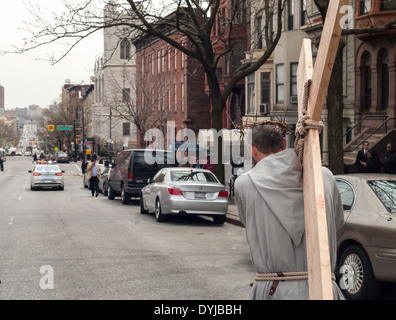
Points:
x=240 y=201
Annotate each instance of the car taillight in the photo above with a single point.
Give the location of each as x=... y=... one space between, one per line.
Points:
x=130 y=175
x=59 y=174
x=36 y=174
x=175 y=192
x=223 y=194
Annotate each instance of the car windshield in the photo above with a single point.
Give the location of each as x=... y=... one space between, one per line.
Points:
x=386 y=192
x=193 y=176
x=47 y=169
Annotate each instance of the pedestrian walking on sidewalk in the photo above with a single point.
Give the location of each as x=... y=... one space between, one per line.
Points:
x=93 y=176
x=2 y=154
x=270 y=202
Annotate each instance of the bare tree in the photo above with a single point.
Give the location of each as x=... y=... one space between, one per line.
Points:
x=193 y=19
x=7 y=133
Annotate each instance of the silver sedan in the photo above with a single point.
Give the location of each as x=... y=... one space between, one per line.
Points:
x=185 y=191
x=46 y=175
x=367 y=243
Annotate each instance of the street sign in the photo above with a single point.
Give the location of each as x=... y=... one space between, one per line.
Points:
x=64 y=127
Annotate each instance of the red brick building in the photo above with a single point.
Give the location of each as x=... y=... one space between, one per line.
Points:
x=170 y=86
x=235 y=107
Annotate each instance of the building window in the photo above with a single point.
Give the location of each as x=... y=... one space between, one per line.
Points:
x=290 y=10
x=182 y=96
x=280 y=83
x=169 y=58
x=388 y=5
x=303 y=17
x=293 y=81
x=365 y=6
x=175 y=96
x=227 y=64
x=259 y=23
x=175 y=59
x=126 y=128
x=384 y=60
x=163 y=59
x=126 y=94
x=251 y=94
x=169 y=97
x=125 y=47
x=265 y=79
x=271 y=27
x=158 y=62
x=365 y=103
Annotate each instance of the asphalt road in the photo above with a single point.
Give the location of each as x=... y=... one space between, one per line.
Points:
x=95 y=248
x=69 y=245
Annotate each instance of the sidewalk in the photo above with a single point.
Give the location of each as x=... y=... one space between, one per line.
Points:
x=232 y=214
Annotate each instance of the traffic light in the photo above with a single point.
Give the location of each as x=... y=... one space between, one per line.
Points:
x=51 y=128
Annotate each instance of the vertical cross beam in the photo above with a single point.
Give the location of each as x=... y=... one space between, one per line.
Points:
x=318 y=257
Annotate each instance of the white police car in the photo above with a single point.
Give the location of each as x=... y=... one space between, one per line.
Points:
x=46 y=174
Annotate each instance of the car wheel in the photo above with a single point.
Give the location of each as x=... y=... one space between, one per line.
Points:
x=158 y=212
x=220 y=219
x=125 y=196
x=357 y=278
x=110 y=193
x=105 y=189
x=142 y=209
x=32 y=188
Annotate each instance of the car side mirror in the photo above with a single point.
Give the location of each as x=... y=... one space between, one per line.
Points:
x=63 y=171
x=30 y=171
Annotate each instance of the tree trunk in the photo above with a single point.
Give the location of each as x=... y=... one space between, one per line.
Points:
x=218 y=125
x=335 y=108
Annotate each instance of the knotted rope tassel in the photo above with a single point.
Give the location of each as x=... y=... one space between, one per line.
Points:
x=304 y=124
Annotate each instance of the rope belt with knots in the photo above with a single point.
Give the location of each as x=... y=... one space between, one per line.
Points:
x=304 y=124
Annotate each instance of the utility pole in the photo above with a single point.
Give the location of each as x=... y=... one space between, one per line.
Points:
x=83 y=126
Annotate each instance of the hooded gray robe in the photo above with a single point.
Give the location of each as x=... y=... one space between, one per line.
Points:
x=271 y=206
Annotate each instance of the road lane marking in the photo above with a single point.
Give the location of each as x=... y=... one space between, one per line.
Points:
x=11 y=221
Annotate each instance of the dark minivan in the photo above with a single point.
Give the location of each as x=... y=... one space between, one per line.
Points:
x=132 y=168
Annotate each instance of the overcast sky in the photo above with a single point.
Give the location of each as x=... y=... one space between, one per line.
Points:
x=26 y=79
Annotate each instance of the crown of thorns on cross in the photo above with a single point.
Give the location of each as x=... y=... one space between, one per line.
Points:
x=251 y=124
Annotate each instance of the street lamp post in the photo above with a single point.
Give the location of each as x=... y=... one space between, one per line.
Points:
x=83 y=125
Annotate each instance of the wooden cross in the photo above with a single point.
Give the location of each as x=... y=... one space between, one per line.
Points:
x=318 y=257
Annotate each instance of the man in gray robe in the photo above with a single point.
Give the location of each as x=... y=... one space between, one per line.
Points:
x=271 y=206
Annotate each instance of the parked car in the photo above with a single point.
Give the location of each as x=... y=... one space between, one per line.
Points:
x=46 y=175
x=185 y=191
x=132 y=168
x=62 y=157
x=103 y=179
x=367 y=246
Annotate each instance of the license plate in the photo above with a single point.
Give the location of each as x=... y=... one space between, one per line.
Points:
x=48 y=180
x=200 y=195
